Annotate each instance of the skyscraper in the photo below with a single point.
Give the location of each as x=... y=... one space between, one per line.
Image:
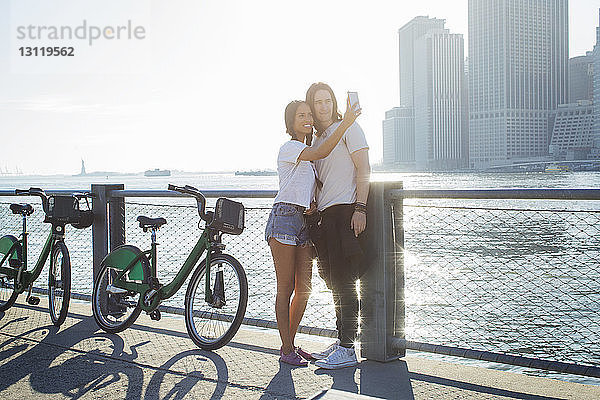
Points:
x=596 y=130
x=399 y=138
x=431 y=88
x=398 y=126
x=438 y=102
x=518 y=55
x=407 y=36
x=581 y=78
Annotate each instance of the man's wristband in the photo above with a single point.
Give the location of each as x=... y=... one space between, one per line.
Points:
x=360 y=207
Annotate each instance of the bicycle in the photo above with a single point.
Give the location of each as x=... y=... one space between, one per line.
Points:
x=15 y=278
x=216 y=297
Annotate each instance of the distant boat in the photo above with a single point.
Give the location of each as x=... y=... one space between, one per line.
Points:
x=256 y=173
x=157 y=172
x=555 y=168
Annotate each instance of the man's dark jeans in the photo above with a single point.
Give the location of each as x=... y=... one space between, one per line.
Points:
x=340 y=256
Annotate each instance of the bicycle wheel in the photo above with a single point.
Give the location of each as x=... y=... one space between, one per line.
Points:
x=114 y=309
x=211 y=325
x=59 y=283
x=8 y=293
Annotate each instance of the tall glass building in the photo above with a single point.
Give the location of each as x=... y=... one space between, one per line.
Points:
x=440 y=130
x=581 y=78
x=596 y=106
x=432 y=85
x=399 y=139
x=518 y=74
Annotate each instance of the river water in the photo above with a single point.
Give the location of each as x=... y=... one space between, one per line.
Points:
x=478 y=274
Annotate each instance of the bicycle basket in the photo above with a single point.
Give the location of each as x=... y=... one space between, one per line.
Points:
x=85 y=220
x=65 y=209
x=228 y=216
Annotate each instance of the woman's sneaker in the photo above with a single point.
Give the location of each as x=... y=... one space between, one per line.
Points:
x=292 y=358
x=322 y=355
x=304 y=354
x=340 y=358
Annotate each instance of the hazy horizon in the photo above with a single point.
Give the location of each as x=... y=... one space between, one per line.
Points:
x=206 y=88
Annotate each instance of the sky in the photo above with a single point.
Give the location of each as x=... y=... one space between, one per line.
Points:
x=204 y=85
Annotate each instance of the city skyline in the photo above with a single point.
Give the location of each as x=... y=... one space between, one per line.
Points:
x=205 y=61
x=528 y=102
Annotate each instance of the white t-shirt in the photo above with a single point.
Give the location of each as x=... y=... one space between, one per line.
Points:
x=336 y=171
x=296 y=177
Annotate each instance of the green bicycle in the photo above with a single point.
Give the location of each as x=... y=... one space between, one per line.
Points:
x=15 y=278
x=216 y=297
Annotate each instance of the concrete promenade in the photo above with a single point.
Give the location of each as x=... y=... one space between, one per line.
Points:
x=157 y=360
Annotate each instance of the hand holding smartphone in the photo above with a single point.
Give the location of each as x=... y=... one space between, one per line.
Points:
x=353 y=109
x=353 y=99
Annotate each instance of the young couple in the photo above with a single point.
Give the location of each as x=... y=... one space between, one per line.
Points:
x=337 y=160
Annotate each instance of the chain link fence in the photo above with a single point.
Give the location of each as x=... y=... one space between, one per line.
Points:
x=176 y=239
x=180 y=234
x=78 y=241
x=511 y=279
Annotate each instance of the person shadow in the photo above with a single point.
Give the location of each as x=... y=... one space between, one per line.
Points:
x=282 y=384
x=375 y=379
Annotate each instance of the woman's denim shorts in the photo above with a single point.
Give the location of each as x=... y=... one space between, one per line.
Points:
x=286 y=224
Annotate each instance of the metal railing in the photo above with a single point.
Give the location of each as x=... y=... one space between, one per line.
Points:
x=78 y=241
x=509 y=276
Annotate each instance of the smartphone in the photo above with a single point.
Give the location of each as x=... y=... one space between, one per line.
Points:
x=353 y=97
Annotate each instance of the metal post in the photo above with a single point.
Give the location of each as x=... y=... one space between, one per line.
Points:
x=100 y=228
x=116 y=218
x=382 y=285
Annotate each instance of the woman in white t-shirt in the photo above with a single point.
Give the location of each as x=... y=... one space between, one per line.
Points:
x=286 y=230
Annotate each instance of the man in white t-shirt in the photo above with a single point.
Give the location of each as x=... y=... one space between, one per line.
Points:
x=342 y=202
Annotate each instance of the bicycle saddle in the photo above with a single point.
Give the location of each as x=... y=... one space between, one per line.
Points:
x=146 y=222
x=23 y=209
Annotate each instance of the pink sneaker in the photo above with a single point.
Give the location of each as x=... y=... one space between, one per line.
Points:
x=304 y=354
x=292 y=358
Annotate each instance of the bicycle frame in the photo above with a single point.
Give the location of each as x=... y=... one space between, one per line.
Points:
x=168 y=290
x=24 y=278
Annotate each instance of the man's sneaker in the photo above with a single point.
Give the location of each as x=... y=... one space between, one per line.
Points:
x=322 y=355
x=342 y=357
x=292 y=358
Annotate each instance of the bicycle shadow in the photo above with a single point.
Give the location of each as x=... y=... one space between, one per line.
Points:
x=79 y=361
x=189 y=379
x=52 y=370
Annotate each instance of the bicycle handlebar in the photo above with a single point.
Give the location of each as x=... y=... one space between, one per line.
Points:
x=192 y=191
x=34 y=192
x=40 y=192
x=83 y=195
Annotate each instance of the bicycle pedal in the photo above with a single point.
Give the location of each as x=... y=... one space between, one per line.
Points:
x=110 y=289
x=14 y=263
x=155 y=315
x=154 y=283
x=33 y=300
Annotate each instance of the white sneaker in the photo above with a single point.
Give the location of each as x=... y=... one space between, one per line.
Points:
x=342 y=357
x=323 y=354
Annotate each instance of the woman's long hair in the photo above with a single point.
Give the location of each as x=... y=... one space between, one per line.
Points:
x=290 y=117
x=310 y=100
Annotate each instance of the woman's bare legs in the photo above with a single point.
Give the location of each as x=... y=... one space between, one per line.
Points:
x=284 y=259
x=302 y=288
